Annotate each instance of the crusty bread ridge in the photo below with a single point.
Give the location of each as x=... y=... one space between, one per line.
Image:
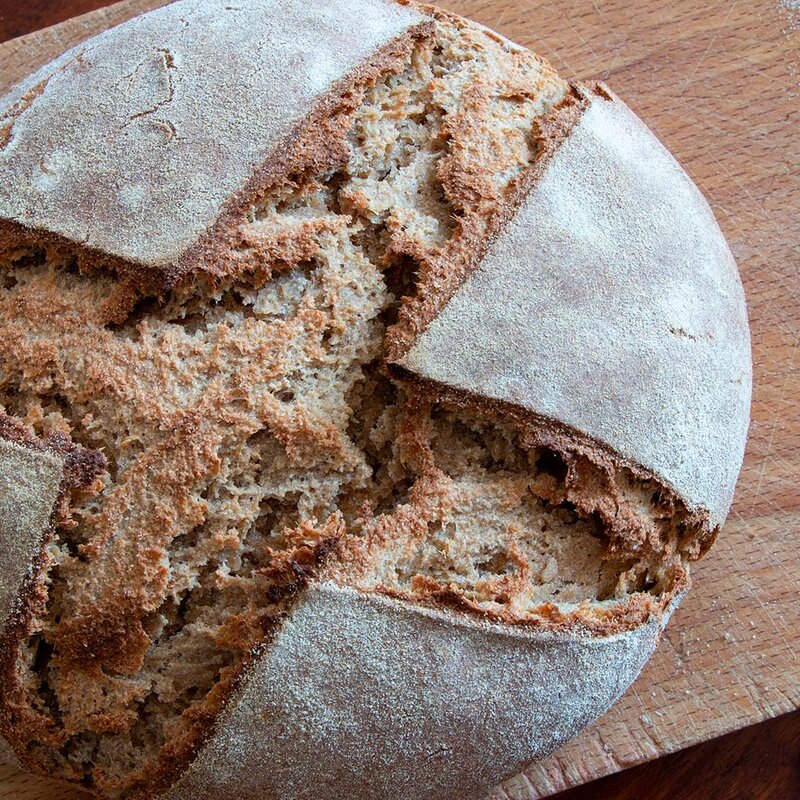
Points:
x=348 y=664
x=27 y=505
x=37 y=478
x=155 y=113
x=672 y=353
x=376 y=419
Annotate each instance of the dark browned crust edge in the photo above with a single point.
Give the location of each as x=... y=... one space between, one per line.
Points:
x=15 y=237
x=622 y=617
x=543 y=431
x=81 y=468
x=315 y=144
x=293 y=573
x=694 y=536
x=441 y=278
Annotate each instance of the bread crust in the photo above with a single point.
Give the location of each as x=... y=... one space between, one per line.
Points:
x=30 y=481
x=175 y=150
x=441 y=277
x=36 y=476
x=638 y=312
x=366 y=697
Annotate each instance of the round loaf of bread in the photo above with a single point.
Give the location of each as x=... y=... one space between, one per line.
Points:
x=366 y=392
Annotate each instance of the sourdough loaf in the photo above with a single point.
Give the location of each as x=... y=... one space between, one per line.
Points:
x=366 y=392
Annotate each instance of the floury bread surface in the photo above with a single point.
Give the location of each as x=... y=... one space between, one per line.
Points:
x=324 y=469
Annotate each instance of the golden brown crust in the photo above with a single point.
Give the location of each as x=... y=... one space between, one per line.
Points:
x=291 y=573
x=572 y=446
x=595 y=483
x=316 y=146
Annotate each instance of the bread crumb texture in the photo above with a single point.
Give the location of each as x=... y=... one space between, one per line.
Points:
x=253 y=439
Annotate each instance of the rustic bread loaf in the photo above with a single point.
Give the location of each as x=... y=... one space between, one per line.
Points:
x=366 y=392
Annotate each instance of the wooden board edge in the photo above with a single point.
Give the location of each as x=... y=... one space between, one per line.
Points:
x=21 y=56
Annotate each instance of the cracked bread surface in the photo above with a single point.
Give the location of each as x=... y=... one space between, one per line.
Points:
x=30 y=488
x=201 y=94
x=348 y=664
x=256 y=448
x=672 y=358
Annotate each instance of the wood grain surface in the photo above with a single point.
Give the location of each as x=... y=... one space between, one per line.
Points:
x=719 y=83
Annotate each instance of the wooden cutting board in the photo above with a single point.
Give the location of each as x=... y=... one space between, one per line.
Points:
x=719 y=83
